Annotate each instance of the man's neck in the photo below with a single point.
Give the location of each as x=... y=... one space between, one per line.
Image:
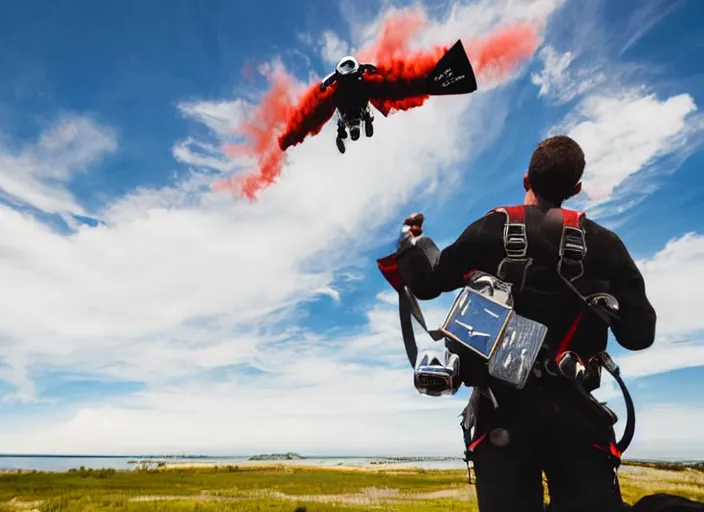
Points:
x=531 y=199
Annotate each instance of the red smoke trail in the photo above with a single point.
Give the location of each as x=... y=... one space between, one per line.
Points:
x=498 y=54
x=395 y=34
x=492 y=57
x=276 y=113
x=266 y=120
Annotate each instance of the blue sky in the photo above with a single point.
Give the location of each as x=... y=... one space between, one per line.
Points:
x=143 y=312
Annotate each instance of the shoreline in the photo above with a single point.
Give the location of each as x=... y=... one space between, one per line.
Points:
x=287 y=465
x=290 y=466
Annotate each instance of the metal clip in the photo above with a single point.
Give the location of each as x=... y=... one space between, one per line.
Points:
x=574 y=245
x=515 y=240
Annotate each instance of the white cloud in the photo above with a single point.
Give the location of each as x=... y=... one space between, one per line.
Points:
x=37 y=173
x=180 y=282
x=557 y=79
x=333 y=48
x=221 y=117
x=317 y=396
x=668 y=431
x=613 y=118
x=477 y=19
x=306 y=38
x=645 y=18
x=669 y=276
x=619 y=138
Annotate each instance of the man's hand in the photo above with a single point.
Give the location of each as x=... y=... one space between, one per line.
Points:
x=411 y=230
x=413 y=225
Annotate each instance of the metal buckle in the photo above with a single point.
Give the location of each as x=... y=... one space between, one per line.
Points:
x=515 y=240
x=574 y=245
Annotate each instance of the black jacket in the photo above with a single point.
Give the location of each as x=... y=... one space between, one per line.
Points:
x=608 y=268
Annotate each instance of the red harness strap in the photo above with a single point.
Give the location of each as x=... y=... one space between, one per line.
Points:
x=612 y=450
x=573 y=248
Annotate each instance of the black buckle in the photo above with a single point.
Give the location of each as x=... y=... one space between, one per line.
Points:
x=574 y=245
x=515 y=240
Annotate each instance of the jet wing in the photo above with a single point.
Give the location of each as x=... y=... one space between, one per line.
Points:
x=402 y=85
x=315 y=108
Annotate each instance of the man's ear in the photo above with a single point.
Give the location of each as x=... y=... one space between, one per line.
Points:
x=526 y=182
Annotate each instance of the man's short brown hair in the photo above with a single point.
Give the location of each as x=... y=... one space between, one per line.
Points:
x=556 y=168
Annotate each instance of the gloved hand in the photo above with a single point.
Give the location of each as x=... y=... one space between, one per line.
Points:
x=413 y=225
x=411 y=230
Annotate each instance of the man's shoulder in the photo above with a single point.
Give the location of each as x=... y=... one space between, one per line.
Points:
x=601 y=233
x=491 y=222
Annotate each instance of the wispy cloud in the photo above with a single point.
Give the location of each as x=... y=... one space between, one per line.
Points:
x=37 y=174
x=333 y=48
x=620 y=139
x=613 y=112
x=644 y=19
x=559 y=80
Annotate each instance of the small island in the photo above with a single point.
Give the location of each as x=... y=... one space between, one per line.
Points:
x=277 y=456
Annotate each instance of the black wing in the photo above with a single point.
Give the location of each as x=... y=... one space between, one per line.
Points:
x=453 y=74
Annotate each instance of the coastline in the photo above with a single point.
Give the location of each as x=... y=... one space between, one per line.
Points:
x=65 y=463
x=284 y=465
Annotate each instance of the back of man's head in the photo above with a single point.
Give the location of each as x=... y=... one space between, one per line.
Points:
x=556 y=169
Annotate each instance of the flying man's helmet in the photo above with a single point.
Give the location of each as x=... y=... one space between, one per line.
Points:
x=347 y=66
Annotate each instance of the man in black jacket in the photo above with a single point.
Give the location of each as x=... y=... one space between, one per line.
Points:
x=542 y=250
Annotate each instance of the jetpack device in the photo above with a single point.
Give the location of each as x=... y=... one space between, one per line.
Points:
x=482 y=320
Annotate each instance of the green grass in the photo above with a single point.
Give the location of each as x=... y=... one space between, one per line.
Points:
x=281 y=488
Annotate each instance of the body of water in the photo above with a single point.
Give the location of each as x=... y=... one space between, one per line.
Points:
x=64 y=463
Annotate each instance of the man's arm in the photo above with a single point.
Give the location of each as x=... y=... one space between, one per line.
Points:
x=428 y=272
x=635 y=329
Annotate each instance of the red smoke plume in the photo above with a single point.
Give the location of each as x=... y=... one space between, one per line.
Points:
x=492 y=57
x=266 y=119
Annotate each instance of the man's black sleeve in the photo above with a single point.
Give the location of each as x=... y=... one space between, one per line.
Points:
x=635 y=329
x=428 y=272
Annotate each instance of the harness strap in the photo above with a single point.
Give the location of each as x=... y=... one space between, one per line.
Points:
x=604 y=359
x=408 y=308
x=573 y=246
x=514 y=267
x=571 y=252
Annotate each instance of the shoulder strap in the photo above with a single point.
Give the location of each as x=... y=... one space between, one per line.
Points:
x=573 y=246
x=571 y=252
x=514 y=267
x=408 y=308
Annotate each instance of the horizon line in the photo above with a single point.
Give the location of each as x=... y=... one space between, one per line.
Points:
x=210 y=456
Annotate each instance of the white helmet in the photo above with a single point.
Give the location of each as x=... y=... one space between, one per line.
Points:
x=347 y=65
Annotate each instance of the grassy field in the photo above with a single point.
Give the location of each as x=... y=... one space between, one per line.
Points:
x=278 y=488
